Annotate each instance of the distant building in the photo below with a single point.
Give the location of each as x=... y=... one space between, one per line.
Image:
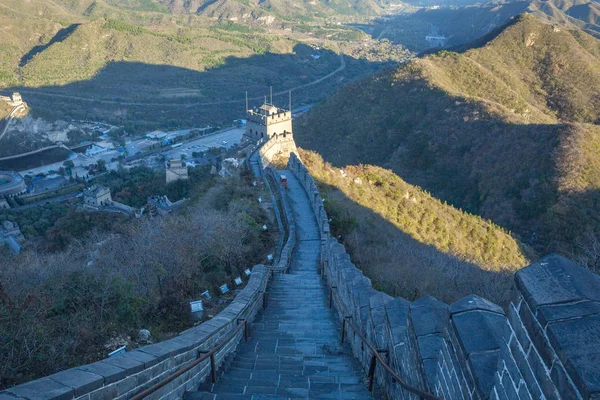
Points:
x=94 y=150
x=268 y=121
x=156 y=135
x=97 y=196
x=80 y=173
x=16 y=100
x=4 y=204
x=10 y=234
x=161 y=205
x=11 y=184
x=177 y=171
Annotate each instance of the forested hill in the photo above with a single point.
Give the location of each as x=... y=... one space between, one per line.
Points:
x=238 y=10
x=505 y=130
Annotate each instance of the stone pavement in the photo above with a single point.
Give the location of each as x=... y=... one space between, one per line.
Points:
x=294 y=348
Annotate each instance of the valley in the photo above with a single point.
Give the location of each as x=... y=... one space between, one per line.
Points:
x=451 y=143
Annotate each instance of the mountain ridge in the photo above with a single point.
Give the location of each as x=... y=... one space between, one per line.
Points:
x=505 y=130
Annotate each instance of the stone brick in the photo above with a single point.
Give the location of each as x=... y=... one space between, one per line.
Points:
x=484 y=366
x=537 y=335
x=555 y=279
x=474 y=302
x=561 y=382
x=555 y=312
x=110 y=373
x=126 y=362
x=430 y=346
x=478 y=330
x=518 y=328
x=428 y=315
x=577 y=344
x=147 y=359
x=82 y=382
x=43 y=389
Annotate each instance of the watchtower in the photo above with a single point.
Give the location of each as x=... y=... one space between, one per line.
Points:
x=269 y=122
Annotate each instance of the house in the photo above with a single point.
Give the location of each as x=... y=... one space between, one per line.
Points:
x=10 y=234
x=97 y=196
x=177 y=171
x=156 y=135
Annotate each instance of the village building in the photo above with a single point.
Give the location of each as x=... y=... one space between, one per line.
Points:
x=4 y=204
x=10 y=234
x=161 y=205
x=177 y=171
x=97 y=196
x=156 y=135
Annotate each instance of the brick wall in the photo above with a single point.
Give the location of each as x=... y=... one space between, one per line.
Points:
x=547 y=348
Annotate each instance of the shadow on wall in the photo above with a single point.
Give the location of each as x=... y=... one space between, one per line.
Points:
x=402 y=266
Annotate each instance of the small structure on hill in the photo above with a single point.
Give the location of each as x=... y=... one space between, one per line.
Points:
x=10 y=234
x=11 y=184
x=15 y=101
x=156 y=135
x=97 y=196
x=177 y=171
x=268 y=121
x=161 y=205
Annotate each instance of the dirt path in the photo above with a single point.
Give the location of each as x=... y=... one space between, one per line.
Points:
x=187 y=105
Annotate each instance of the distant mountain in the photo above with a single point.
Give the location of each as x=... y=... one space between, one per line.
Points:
x=237 y=10
x=506 y=130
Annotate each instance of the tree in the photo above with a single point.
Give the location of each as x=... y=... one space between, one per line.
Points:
x=101 y=165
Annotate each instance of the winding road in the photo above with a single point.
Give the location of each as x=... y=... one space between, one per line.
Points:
x=185 y=105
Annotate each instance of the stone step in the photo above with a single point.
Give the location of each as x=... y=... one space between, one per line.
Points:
x=294 y=350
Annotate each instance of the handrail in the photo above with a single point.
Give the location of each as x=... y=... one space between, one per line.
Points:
x=210 y=353
x=377 y=356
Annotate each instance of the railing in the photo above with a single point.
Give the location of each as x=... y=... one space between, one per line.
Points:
x=282 y=264
x=376 y=353
x=289 y=230
x=210 y=354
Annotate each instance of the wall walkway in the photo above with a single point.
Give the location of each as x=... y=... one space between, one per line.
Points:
x=294 y=350
x=548 y=347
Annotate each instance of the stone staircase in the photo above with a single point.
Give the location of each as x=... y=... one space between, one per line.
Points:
x=294 y=348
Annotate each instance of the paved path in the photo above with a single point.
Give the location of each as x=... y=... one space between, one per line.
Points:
x=294 y=348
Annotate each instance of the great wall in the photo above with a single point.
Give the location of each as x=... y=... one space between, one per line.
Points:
x=313 y=326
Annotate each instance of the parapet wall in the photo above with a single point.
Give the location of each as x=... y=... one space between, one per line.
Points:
x=547 y=348
x=277 y=146
x=123 y=376
x=284 y=258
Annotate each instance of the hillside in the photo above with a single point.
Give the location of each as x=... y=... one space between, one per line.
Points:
x=144 y=66
x=505 y=130
x=447 y=253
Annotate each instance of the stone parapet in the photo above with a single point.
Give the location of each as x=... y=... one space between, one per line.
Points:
x=284 y=258
x=547 y=348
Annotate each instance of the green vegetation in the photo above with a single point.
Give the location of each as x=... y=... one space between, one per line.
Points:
x=134 y=186
x=70 y=307
x=374 y=212
x=505 y=131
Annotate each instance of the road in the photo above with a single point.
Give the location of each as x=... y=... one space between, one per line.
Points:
x=185 y=105
x=231 y=136
x=10 y=118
